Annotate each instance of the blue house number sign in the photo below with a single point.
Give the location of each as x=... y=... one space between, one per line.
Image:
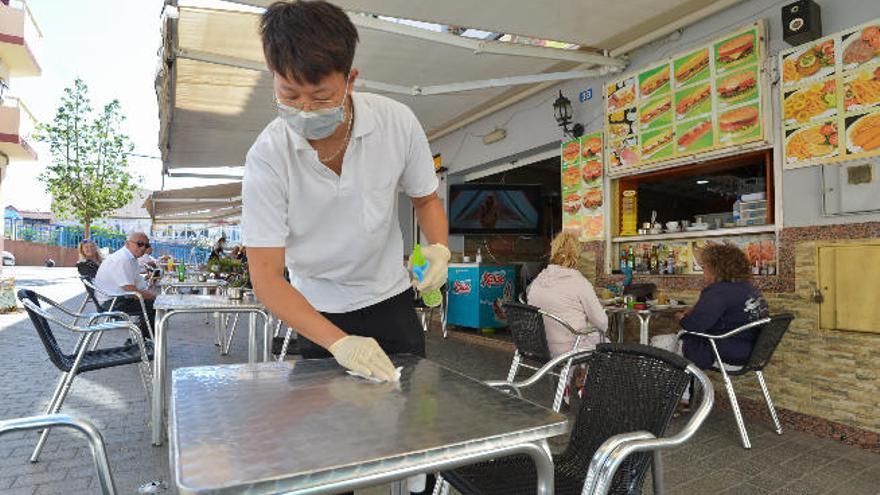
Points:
x=585 y=95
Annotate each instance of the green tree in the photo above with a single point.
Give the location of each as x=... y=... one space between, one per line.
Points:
x=89 y=176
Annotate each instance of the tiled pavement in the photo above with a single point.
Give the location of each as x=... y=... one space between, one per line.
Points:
x=795 y=463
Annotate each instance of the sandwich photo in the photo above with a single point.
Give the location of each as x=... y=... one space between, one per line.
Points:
x=863 y=136
x=592 y=170
x=591 y=147
x=593 y=198
x=652 y=145
x=653 y=83
x=571 y=177
x=620 y=130
x=571 y=203
x=691 y=66
x=735 y=50
x=810 y=143
x=739 y=122
x=650 y=113
x=570 y=151
x=862 y=47
x=691 y=101
x=813 y=62
x=621 y=97
x=738 y=87
x=693 y=138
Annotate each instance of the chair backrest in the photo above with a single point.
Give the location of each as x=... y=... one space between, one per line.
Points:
x=61 y=361
x=527 y=329
x=769 y=336
x=629 y=387
x=88 y=283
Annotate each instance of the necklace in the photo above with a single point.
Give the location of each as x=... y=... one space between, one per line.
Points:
x=332 y=157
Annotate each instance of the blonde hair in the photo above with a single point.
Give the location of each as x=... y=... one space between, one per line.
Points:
x=82 y=253
x=565 y=250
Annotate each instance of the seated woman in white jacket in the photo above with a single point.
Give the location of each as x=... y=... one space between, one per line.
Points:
x=562 y=290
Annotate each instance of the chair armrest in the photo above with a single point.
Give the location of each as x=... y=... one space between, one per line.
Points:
x=613 y=451
x=96 y=441
x=577 y=356
x=747 y=326
x=125 y=324
x=108 y=314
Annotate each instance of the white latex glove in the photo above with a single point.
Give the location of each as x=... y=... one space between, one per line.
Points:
x=363 y=355
x=437 y=256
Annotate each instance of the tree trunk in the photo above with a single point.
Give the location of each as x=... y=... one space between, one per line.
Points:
x=87 y=228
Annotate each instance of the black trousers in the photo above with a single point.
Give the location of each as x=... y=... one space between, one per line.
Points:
x=392 y=322
x=132 y=306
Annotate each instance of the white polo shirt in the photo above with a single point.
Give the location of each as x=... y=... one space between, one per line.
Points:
x=342 y=239
x=119 y=269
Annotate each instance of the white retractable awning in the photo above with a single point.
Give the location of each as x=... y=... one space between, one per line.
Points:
x=215 y=94
x=204 y=204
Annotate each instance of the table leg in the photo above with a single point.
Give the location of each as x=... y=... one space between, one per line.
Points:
x=620 y=319
x=644 y=320
x=267 y=338
x=252 y=337
x=159 y=352
x=218 y=321
x=544 y=464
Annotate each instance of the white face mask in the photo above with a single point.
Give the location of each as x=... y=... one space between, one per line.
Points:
x=316 y=124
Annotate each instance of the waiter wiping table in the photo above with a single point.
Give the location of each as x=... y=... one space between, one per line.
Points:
x=320 y=197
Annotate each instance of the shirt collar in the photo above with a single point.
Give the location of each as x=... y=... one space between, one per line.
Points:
x=128 y=253
x=364 y=122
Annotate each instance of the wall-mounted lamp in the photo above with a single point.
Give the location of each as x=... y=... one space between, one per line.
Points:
x=562 y=112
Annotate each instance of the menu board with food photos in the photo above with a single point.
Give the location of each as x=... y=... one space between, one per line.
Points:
x=704 y=100
x=831 y=98
x=582 y=189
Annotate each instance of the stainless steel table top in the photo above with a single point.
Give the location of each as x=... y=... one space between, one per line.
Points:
x=275 y=427
x=170 y=302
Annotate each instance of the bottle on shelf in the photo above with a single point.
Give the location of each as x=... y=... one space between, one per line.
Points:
x=181 y=271
x=623 y=261
x=631 y=259
x=478 y=257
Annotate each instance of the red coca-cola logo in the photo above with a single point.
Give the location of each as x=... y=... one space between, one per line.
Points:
x=460 y=287
x=493 y=279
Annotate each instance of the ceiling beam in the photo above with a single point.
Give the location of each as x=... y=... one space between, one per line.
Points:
x=485 y=46
x=509 y=81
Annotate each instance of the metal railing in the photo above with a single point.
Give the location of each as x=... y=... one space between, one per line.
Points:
x=71 y=236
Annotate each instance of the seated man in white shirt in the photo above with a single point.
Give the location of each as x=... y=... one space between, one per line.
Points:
x=120 y=274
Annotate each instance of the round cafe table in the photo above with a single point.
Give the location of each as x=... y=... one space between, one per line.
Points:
x=619 y=314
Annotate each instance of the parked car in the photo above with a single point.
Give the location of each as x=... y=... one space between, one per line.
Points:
x=8 y=259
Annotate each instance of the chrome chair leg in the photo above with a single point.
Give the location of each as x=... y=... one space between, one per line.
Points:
x=230 y=335
x=769 y=402
x=514 y=366
x=731 y=395
x=560 y=389
x=443 y=312
x=286 y=344
x=61 y=393
x=440 y=486
x=97 y=340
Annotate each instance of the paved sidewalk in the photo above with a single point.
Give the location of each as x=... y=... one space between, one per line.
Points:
x=114 y=400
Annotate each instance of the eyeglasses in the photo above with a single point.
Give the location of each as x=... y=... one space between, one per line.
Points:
x=286 y=106
x=141 y=244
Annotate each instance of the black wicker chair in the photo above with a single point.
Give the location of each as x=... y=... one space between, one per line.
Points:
x=83 y=360
x=526 y=324
x=770 y=333
x=630 y=395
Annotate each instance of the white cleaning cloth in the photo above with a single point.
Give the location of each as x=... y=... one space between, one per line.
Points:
x=374 y=379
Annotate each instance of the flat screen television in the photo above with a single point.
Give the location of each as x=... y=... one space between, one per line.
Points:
x=494 y=209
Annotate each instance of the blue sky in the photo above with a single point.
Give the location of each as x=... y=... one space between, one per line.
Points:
x=112 y=45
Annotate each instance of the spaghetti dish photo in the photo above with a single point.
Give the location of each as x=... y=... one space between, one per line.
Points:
x=813 y=142
x=862 y=91
x=814 y=101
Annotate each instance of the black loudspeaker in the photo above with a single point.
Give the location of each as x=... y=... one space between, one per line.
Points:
x=801 y=22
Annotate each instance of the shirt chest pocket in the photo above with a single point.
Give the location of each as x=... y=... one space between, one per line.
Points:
x=377 y=207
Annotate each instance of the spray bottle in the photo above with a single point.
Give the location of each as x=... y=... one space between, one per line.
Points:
x=420 y=266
